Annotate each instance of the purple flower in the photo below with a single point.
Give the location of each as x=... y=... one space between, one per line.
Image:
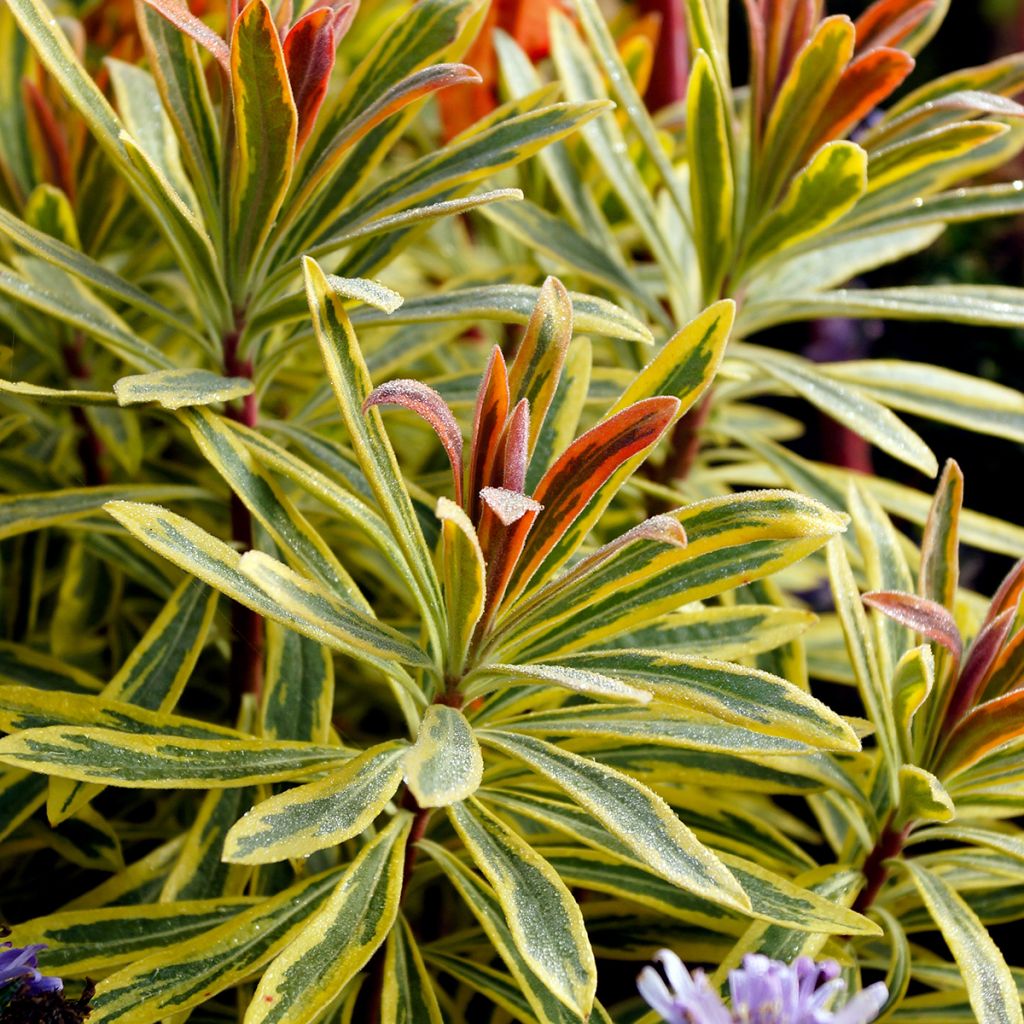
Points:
x=763 y=991
x=20 y=965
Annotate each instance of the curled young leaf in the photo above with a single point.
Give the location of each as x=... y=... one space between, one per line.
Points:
x=428 y=404
x=926 y=617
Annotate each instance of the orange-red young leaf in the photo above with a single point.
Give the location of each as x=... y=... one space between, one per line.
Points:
x=501 y=511
x=400 y=95
x=309 y=57
x=981 y=659
x=986 y=728
x=492 y=402
x=579 y=473
x=889 y=22
x=57 y=155
x=777 y=16
x=757 y=38
x=867 y=81
x=929 y=618
x=515 y=454
x=1008 y=672
x=1009 y=593
x=178 y=14
x=428 y=404
x=801 y=28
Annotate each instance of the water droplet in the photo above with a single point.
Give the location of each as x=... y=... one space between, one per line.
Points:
x=918 y=202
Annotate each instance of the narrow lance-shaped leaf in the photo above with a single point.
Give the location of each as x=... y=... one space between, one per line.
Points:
x=350 y=379
x=340 y=938
x=940 y=562
x=265 y=131
x=318 y=613
x=579 y=474
x=175 y=64
x=115 y=758
x=319 y=814
x=309 y=58
x=546 y=924
x=867 y=80
x=153 y=675
x=860 y=647
x=309 y=212
x=635 y=815
x=889 y=22
x=539 y=1002
x=492 y=406
x=444 y=765
x=183 y=975
x=978 y=664
x=537 y=365
x=464 y=576
x=317 y=610
x=428 y=404
x=820 y=194
x=662 y=529
x=711 y=175
x=985 y=729
x=732 y=693
x=80 y=942
x=408 y=996
x=990 y=985
x=805 y=92
x=926 y=617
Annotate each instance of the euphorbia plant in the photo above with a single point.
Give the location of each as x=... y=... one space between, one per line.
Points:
x=513 y=691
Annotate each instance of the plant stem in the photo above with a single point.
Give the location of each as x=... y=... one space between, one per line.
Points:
x=246 y=671
x=684 y=442
x=90 y=447
x=890 y=844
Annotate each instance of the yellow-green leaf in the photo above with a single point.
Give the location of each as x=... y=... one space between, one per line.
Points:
x=444 y=765
x=546 y=924
x=340 y=938
x=324 y=813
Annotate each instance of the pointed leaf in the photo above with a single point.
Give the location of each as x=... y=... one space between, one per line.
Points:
x=320 y=814
x=181 y=976
x=340 y=938
x=309 y=57
x=178 y=14
x=117 y=758
x=605 y=453
x=181 y=388
x=546 y=924
x=266 y=123
x=990 y=985
x=635 y=815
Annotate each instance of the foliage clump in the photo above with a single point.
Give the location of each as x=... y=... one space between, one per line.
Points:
x=415 y=603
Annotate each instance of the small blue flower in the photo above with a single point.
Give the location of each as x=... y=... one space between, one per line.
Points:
x=20 y=965
x=763 y=991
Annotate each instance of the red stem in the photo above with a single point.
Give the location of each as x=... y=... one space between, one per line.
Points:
x=684 y=443
x=890 y=844
x=246 y=625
